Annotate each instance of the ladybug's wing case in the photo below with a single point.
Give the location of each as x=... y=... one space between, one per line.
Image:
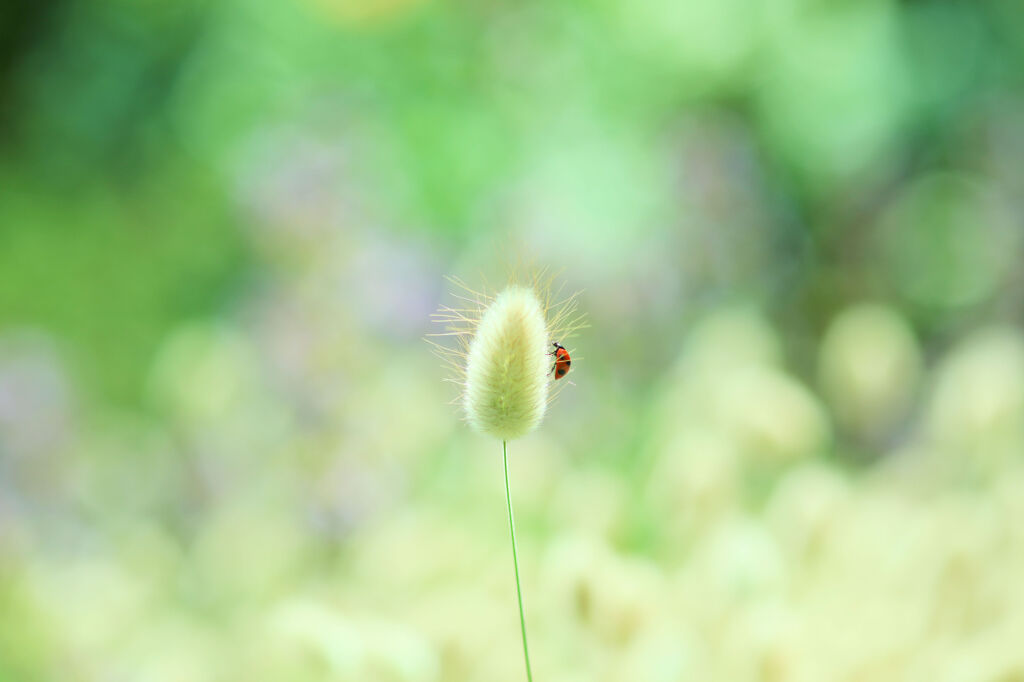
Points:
x=562 y=363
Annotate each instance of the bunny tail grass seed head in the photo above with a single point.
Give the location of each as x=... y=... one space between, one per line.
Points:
x=507 y=365
x=502 y=356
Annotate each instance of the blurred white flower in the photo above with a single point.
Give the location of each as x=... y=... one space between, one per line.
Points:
x=587 y=586
x=775 y=419
x=693 y=483
x=728 y=339
x=869 y=368
x=803 y=510
x=301 y=632
x=977 y=404
x=738 y=564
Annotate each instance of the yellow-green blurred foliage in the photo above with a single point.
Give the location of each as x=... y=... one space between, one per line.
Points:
x=793 y=449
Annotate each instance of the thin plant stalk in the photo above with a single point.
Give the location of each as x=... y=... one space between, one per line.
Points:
x=515 y=562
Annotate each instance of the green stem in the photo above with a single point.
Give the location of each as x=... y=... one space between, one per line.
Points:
x=515 y=562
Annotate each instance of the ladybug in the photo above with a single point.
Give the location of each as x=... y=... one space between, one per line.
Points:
x=562 y=361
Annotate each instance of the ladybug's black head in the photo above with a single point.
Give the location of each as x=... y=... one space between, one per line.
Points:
x=557 y=345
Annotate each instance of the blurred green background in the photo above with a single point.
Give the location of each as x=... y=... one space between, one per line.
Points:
x=794 y=446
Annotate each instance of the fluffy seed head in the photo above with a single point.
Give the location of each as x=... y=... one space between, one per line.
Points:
x=502 y=361
x=507 y=366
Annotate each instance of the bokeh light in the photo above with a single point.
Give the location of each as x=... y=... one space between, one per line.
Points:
x=793 y=447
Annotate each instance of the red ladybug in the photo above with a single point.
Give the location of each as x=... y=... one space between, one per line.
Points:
x=562 y=361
